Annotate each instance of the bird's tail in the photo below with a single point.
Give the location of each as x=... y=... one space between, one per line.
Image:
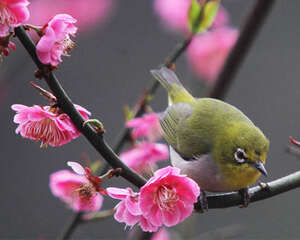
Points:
x=176 y=91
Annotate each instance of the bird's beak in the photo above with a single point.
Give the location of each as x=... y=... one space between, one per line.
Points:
x=260 y=167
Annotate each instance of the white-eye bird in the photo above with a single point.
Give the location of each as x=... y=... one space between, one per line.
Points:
x=211 y=141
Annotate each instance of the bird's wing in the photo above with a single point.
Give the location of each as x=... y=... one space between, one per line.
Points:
x=189 y=141
x=171 y=120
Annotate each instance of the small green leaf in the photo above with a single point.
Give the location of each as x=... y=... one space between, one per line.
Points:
x=95 y=166
x=128 y=113
x=200 y=18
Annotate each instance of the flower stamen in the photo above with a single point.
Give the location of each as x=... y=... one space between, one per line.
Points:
x=166 y=198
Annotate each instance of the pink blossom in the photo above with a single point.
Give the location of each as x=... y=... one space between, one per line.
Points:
x=128 y=210
x=56 y=39
x=79 y=190
x=144 y=156
x=221 y=19
x=174 y=14
x=162 y=234
x=89 y=13
x=147 y=126
x=168 y=197
x=46 y=124
x=208 y=52
x=12 y=14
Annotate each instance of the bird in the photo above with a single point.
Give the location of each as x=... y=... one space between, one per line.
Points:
x=211 y=141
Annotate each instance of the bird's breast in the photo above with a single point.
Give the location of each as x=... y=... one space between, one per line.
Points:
x=205 y=171
x=202 y=170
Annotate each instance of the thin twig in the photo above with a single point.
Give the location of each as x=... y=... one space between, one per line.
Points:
x=233 y=63
x=97 y=215
x=140 y=107
x=70 y=226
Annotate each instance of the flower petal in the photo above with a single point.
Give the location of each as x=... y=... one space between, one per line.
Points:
x=76 y=167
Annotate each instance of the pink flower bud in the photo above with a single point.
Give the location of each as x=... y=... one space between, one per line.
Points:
x=5 y=45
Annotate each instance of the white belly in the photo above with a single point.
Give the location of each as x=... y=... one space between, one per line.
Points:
x=204 y=171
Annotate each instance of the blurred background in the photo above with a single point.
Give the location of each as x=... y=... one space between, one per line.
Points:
x=116 y=46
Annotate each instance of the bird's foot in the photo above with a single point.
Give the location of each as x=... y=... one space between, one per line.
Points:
x=244 y=192
x=202 y=202
x=264 y=186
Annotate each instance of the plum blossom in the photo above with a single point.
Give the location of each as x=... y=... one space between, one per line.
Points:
x=80 y=190
x=89 y=13
x=128 y=210
x=208 y=52
x=168 y=197
x=46 y=124
x=56 y=41
x=147 y=126
x=12 y=14
x=174 y=14
x=143 y=157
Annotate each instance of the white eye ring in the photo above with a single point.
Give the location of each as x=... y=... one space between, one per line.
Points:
x=239 y=155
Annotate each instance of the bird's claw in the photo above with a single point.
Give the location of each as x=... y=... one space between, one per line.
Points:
x=202 y=202
x=264 y=186
x=244 y=192
x=98 y=126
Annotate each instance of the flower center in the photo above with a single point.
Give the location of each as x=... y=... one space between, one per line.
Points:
x=6 y=17
x=86 y=191
x=66 y=45
x=46 y=131
x=166 y=198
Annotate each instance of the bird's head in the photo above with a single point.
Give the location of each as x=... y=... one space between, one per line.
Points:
x=241 y=153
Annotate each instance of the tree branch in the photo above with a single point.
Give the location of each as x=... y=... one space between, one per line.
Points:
x=235 y=59
x=257 y=193
x=140 y=106
x=65 y=103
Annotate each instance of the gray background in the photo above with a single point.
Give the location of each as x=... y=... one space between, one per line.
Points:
x=109 y=68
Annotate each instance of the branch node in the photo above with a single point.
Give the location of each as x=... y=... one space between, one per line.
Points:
x=98 y=126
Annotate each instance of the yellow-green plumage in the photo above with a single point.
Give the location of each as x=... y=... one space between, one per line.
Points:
x=206 y=133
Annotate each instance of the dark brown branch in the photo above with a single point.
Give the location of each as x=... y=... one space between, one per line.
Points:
x=250 y=30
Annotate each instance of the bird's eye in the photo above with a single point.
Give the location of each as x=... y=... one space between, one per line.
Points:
x=239 y=155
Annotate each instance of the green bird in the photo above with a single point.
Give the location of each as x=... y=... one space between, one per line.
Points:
x=211 y=141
